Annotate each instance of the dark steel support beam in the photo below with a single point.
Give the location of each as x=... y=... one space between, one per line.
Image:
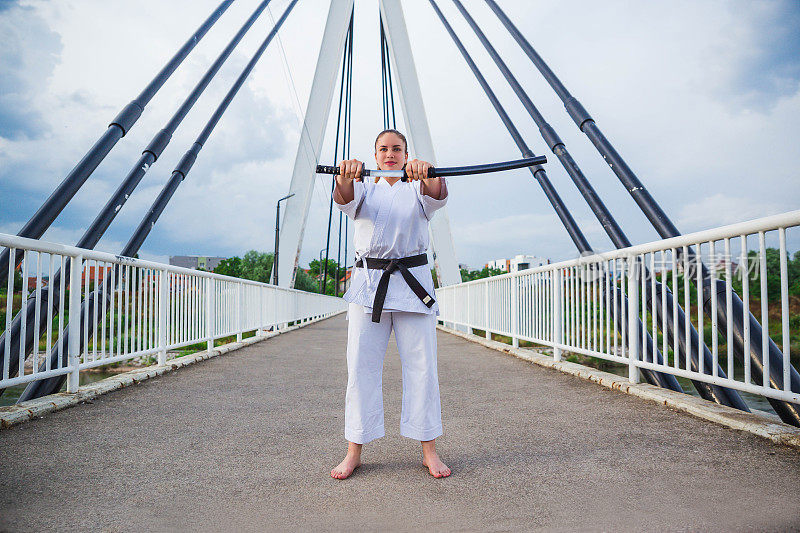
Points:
x=789 y=412
x=656 y=378
x=122 y=123
x=103 y=220
x=51 y=385
x=708 y=391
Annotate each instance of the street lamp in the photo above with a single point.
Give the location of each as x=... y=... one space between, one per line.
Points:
x=277 y=236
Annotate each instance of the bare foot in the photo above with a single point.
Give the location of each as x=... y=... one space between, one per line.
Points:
x=346 y=467
x=435 y=465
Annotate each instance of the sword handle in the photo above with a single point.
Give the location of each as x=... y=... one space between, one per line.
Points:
x=324 y=169
x=431 y=174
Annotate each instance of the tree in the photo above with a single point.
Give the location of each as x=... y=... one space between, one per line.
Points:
x=305 y=282
x=18 y=280
x=752 y=269
x=470 y=275
x=315 y=268
x=230 y=267
x=257 y=266
x=316 y=271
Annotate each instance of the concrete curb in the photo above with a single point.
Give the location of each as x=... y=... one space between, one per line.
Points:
x=761 y=423
x=16 y=414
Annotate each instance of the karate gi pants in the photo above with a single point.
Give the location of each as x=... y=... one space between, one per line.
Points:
x=367 y=341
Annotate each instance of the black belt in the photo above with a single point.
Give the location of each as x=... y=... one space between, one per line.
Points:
x=390 y=265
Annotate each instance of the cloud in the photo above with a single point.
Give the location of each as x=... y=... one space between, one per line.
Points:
x=770 y=63
x=28 y=56
x=722 y=209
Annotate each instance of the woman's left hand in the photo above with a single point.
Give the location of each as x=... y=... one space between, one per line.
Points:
x=416 y=169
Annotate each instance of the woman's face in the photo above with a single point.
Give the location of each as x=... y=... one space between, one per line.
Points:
x=390 y=152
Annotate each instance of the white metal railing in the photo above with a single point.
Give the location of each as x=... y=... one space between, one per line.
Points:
x=573 y=306
x=151 y=308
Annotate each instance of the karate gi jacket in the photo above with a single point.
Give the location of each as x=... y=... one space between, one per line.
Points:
x=391 y=221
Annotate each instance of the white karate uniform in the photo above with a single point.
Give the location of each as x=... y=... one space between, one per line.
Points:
x=391 y=221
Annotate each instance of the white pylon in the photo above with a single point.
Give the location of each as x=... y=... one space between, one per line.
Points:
x=312 y=135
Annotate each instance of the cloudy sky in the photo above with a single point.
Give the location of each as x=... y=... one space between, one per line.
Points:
x=702 y=98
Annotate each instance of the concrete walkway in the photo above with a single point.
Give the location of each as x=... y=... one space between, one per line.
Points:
x=245 y=442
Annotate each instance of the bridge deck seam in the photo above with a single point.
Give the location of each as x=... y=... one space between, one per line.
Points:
x=13 y=415
x=761 y=423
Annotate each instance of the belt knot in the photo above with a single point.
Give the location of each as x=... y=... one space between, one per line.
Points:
x=389 y=266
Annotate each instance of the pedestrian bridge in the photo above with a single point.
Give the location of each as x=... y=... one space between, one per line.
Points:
x=245 y=441
x=698 y=428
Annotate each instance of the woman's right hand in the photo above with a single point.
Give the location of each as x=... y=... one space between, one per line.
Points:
x=350 y=170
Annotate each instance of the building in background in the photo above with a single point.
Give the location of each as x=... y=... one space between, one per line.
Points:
x=518 y=262
x=344 y=281
x=95 y=273
x=196 y=262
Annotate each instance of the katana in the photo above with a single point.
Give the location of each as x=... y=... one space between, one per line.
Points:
x=444 y=172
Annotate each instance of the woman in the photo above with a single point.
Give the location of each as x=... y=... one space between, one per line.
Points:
x=392 y=289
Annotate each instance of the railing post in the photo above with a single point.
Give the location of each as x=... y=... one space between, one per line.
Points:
x=74 y=346
x=239 y=314
x=633 y=320
x=469 y=316
x=163 y=299
x=514 y=311
x=260 y=330
x=486 y=308
x=275 y=302
x=210 y=318
x=558 y=322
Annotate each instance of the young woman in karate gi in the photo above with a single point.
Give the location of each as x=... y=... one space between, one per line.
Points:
x=391 y=289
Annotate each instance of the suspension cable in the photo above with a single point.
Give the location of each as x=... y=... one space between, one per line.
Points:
x=346 y=152
x=344 y=98
x=383 y=76
x=346 y=155
x=389 y=77
x=389 y=120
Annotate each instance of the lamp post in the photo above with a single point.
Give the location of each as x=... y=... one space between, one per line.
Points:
x=277 y=237
x=321 y=267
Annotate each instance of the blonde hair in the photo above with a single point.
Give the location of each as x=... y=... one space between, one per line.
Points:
x=390 y=130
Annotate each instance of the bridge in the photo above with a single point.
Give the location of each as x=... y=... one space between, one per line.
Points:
x=649 y=387
x=250 y=443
